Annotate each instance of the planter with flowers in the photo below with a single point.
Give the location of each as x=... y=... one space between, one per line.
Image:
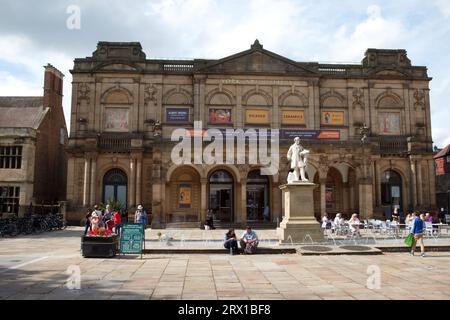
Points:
x=100 y=243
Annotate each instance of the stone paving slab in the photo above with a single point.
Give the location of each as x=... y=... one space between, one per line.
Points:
x=41 y=273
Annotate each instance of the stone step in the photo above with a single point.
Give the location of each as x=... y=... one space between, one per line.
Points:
x=261 y=250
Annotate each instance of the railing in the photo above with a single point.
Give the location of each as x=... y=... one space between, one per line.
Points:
x=178 y=67
x=333 y=70
x=393 y=146
x=114 y=142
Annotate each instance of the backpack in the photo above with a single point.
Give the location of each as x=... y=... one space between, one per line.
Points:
x=250 y=248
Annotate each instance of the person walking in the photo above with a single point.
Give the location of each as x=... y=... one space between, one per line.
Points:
x=417 y=230
x=87 y=226
x=124 y=216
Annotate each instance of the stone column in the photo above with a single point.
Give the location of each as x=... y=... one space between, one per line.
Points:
x=203 y=198
x=377 y=180
x=432 y=183
x=311 y=108
x=346 y=197
x=93 y=199
x=323 y=203
x=87 y=168
x=365 y=199
x=243 y=214
x=419 y=182
x=139 y=180
x=413 y=190
x=132 y=183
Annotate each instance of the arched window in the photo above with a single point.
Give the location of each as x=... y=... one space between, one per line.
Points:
x=115 y=187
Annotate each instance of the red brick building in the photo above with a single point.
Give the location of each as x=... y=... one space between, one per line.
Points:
x=442 y=163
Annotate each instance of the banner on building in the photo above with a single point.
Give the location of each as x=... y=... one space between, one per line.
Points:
x=440 y=166
x=116 y=120
x=311 y=134
x=333 y=118
x=219 y=115
x=174 y=115
x=389 y=123
x=293 y=117
x=257 y=116
x=185 y=196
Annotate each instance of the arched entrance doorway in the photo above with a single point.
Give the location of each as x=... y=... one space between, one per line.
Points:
x=221 y=195
x=257 y=197
x=391 y=192
x=115 y=187
x=183 y=196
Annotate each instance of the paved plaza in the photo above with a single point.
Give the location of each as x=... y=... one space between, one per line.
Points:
x=39 y=266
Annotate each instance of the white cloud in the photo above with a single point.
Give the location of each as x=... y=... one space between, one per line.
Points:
x=374 y=32
x=20 y=50
x=443 y=6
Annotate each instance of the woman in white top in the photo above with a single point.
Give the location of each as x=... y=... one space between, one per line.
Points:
x=325 y=221
x=354 y=224
x=338 y=220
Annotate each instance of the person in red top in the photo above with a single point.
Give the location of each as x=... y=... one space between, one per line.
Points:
x=117 y=222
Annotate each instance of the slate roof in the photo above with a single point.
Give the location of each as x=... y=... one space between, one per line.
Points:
x=21 y=112
x=444 y=152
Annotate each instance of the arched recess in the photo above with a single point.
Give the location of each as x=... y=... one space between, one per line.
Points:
x=258 y=97
x=332 y=99
x=177 y=96
x=388 y=100
x=183 y=195
x=293 y=99
x=220 y=107
x=220 y=97
x=116 y=113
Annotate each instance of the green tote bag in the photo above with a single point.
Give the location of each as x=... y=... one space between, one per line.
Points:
x=409 y=240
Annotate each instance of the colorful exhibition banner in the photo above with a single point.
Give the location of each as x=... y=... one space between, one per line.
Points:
x=185 y=196
x=257 y=116
x=174 y=115
x=389 y=123
x=311 y=134
x=333 y=118
x=293 y=117
x=219 y=115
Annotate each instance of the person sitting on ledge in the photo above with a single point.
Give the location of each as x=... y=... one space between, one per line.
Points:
x=249 y=241
x=231 y=242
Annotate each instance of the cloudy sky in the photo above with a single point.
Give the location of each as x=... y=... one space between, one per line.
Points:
x=33 y=33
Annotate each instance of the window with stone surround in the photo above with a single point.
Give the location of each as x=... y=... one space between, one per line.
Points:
x=10 y=157
x=9 y=199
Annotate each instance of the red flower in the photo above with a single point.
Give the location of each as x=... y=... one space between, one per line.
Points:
x=100 y=232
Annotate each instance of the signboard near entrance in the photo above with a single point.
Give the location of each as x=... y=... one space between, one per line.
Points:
x=132 y=239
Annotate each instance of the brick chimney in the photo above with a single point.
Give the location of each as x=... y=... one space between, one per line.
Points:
x=53 y=87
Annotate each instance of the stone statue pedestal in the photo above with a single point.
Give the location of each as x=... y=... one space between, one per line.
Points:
x=299 y=224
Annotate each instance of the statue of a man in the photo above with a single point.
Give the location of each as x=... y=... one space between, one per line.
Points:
x=299 y=160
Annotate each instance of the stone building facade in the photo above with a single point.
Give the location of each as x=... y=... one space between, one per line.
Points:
x=367 y=125
x=33 y=138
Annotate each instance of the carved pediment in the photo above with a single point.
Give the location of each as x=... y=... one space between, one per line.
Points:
x=255 y=60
